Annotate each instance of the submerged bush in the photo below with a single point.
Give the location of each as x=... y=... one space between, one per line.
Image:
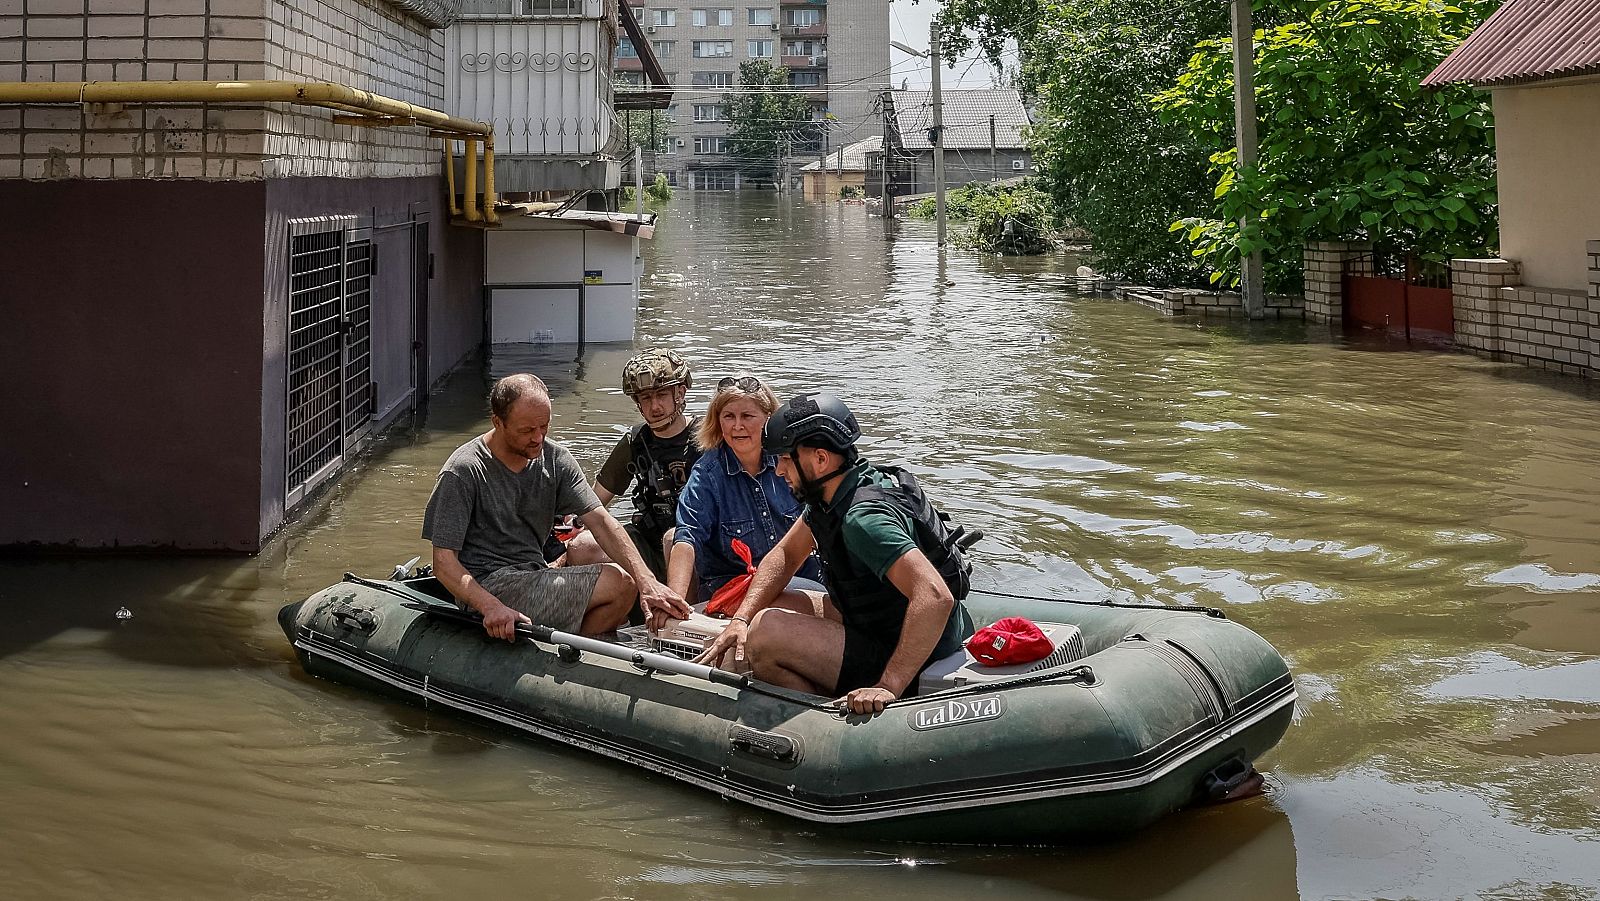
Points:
x=1010 y=219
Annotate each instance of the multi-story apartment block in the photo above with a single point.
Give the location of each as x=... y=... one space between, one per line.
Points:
x=837 y=52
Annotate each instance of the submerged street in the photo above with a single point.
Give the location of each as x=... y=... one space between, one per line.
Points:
x=1415 y=531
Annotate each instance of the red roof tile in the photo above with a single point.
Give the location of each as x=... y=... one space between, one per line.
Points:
x=1526 y=40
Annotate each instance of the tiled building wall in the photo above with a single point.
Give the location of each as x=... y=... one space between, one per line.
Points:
x=362 y=43
x=1546 y=328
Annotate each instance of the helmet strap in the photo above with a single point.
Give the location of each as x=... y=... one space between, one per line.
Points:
x=811 y=489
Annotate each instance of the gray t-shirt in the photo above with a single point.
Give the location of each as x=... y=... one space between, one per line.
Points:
x=493 y=517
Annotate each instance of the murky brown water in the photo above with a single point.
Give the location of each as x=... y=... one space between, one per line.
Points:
x=1419 y=533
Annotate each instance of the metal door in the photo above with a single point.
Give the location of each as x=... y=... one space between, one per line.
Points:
x=330 y=397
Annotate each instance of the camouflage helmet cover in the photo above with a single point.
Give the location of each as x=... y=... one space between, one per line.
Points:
x=655 y=368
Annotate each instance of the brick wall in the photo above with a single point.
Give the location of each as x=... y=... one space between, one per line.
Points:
x=1325 y=264
x=363 y=43
x=1180 y=301
x=1547 y=328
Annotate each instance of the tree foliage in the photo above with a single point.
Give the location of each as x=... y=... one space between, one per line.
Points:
x=765 y=118
x=1011 y=220
x=1112 y=164
x=1351 y=146
x=649 y=130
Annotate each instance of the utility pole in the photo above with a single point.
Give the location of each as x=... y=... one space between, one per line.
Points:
x=938 y=128
x=638 y=181
x=886 y=208
x=994 y=170
x=1244 y=125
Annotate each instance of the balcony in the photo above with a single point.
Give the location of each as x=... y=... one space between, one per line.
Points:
x=820 y=61
x=531 y=9
x=819 y=30
x=629 y=64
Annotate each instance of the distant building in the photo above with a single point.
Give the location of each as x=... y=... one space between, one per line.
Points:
x=845 y=166
x=839 y=51
x=983 y=140
x=1540 y=302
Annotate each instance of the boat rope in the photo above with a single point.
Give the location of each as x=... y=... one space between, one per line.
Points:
x=1180 y=608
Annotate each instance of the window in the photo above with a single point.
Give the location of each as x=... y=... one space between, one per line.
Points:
x=803 y=17
x=630 y=79
x=805 y=79
x=713 y=79
x=761 y=16
x=714 y=180
x=805 y=48
x=626 y=50
x=663 y=49
x=710 y=145
x=760 y=49
x=704 y=17
x=664 y=18
x=710 y=112
x=708 y=49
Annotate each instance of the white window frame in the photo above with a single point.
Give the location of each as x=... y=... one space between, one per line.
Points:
x=725 y=46
x=663 y=18
x=757 y=11
x=752 y=48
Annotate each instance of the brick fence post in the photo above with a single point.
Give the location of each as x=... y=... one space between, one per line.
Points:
x=1325 y=265
x=1476 y=286
x=1593 y=316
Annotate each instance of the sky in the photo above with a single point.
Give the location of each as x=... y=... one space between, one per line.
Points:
x=908 y=24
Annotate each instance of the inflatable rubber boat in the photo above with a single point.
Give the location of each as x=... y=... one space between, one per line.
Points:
x=1139 y=710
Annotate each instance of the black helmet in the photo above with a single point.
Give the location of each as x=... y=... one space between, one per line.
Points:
x=813 y=419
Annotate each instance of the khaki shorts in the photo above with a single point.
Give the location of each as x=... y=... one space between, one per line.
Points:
x=557 y=598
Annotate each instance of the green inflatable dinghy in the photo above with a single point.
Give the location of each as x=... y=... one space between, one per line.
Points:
x=1140 y=710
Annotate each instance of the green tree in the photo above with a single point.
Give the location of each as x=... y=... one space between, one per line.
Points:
x=1113 y=166
x=766 y=118
x=650 y=130
x=1351 y=146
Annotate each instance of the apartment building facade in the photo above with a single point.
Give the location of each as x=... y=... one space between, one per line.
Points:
x=836 y=52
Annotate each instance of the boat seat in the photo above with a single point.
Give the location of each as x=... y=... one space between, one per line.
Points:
x=961 y=668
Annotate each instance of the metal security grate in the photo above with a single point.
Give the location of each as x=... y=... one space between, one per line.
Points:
x=330 y=396
x=358 y=336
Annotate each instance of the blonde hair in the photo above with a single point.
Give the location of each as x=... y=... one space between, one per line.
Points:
x=709 y=435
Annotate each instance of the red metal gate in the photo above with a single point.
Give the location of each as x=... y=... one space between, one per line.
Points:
x=1401 y=295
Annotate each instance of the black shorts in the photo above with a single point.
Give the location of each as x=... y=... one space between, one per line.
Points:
x=865 y=658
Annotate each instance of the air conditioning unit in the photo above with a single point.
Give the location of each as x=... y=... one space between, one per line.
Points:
x=650 y=29
x=817 y=60
x=776 y=27
x=683 y=142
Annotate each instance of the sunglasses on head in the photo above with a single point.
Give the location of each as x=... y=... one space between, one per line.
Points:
x=749 y=384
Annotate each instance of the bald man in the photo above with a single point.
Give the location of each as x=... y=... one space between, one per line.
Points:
x=494 y=504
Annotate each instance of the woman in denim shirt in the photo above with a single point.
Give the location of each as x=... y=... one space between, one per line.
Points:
x=733 y=491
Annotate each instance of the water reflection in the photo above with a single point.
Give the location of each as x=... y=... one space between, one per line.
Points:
x=1416 y=531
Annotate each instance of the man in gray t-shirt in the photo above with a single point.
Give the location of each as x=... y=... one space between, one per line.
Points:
x=496 y=500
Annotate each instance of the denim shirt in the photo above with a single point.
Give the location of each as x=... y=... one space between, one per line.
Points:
x=722 y=502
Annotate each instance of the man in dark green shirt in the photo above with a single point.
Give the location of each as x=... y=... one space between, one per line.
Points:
x=895 y=573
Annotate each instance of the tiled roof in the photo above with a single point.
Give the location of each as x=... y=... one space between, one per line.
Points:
x=966 y=118
x=1526 y=40
x=855 y=156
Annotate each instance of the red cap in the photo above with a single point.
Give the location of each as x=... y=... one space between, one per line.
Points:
x=1009 y=641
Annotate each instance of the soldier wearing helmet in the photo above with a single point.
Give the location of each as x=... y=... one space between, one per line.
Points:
x=653 y=459
x=895 y=570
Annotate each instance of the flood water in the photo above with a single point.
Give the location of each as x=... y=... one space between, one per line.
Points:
x=1417 y=532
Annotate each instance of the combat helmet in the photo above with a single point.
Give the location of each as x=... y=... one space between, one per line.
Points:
x=813 y=419
x=655 y=368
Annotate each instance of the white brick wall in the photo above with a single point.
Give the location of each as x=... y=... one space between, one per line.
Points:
x=366 y=44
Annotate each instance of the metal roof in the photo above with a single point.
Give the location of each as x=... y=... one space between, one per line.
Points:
x=855 y=156
x=1526 y=40
x=966 y=118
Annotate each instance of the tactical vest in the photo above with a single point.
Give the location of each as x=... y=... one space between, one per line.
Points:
x=872 y=603
x=655 y=488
